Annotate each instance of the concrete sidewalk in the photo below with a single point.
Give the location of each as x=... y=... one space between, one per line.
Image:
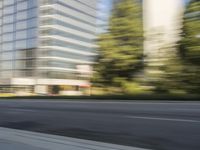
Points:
x=11 y=139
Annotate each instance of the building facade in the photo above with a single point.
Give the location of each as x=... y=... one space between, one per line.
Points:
x=162 y=27
x=47 y=45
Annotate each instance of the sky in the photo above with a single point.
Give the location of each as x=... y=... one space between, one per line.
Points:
x=186 y=1
x=106 y=4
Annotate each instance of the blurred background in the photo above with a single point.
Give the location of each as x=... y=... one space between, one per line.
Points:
x=100 y=47
x=150 y=46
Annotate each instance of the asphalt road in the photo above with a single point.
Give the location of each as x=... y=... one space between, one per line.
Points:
x=153 y=125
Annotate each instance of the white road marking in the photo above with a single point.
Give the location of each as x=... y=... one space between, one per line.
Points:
x=163 y=119
x=134 y=102
x=188 y=109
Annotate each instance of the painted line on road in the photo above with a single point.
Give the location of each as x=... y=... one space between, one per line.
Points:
x=164 y=119
x=134 y=102
x=188 y=109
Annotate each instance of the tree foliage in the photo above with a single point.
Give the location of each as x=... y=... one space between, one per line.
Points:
x=121 y=47
x=181 y=70
x=190 y=47
x=190 y=44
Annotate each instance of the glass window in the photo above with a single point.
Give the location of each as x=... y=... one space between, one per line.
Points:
x=22 y=6
x=1 y=4
x=7 y=46
x=7 y=55
x=21 y=44
x=32 y=32
x=22 y=15
x=7 y=37
x=8 y=2
x=32 y=22
x=21 y=34
x=21 y=25
x=20 y=54
x=33 y=3
x=8 y=28
x=32 y=13
x=30 y=53
x=20 y=0
x=32 y=43
x=8 y=10
x=20 y=64
x=1 y=12
x=8 y=19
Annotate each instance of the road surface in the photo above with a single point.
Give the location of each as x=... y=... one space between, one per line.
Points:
x=151 y=125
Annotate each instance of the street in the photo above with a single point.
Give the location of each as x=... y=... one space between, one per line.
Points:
x=146 y=124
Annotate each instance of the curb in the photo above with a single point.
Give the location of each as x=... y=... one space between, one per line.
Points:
x=25 y=140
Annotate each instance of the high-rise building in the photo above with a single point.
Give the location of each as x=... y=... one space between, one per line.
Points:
x=47 y=43
x=162 y=26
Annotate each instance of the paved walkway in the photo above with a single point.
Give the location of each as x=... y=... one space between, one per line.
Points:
x=11 y=139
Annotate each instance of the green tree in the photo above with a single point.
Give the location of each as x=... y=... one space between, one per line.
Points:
x=121 y=48
x=181 y=70
x=190 y=47
x=190 y=44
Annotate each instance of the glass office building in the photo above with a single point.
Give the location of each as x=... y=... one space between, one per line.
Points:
x=47 y=43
